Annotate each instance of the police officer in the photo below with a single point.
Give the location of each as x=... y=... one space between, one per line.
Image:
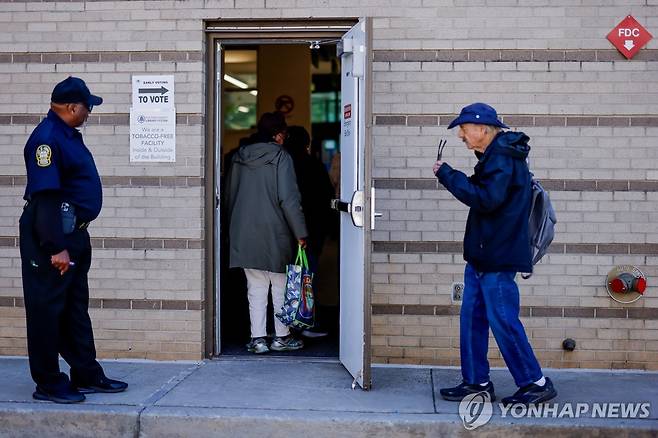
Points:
x=63 y=195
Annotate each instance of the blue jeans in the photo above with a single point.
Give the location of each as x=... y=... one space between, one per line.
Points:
x=491 y=299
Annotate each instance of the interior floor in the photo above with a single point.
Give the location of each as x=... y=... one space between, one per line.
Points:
x=235 y=311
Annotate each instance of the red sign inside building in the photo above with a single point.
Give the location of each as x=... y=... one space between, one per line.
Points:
x=629 y=37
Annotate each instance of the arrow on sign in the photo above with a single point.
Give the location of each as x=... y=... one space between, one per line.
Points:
x=628 y=44
x=161 y=90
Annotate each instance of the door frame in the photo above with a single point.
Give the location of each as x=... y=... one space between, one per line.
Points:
x=270 y=31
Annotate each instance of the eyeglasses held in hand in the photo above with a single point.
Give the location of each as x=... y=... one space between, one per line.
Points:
x=442 y=145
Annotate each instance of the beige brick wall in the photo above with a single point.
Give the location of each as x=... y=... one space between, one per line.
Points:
x=433 y=340
x=592 y=117
x=148 y=239
x=148 y=334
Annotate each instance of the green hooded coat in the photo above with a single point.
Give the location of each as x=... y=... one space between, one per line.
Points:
x=264 y=208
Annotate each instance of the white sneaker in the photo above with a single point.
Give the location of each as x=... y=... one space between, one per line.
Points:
x=258 y=346
x=286 y=344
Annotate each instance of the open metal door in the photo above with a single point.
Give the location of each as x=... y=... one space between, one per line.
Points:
x=355 y=219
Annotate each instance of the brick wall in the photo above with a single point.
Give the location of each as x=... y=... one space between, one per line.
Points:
x=147 y=279
x=545 y=65
x=592 y=120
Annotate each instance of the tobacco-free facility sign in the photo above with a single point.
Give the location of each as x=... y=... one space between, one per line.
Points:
x=152 y=136
x=153 y=120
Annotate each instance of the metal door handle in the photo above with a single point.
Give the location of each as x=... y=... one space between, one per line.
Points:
x=354 y=208
x=373 y=213
x=338 y=205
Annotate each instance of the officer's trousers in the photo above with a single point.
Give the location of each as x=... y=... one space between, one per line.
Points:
x=56 y=309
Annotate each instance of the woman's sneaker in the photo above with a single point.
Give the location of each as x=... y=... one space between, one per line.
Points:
x=287 y=343
x=258 y=346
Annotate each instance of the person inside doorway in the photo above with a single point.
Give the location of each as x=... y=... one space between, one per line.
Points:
x=316 y=191
x=266 y=222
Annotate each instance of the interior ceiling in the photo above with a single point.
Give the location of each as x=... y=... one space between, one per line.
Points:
x=241 y=61
x=245 y=61
x=240 y=56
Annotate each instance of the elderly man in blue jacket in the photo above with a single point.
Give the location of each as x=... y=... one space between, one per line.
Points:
x=496 y=247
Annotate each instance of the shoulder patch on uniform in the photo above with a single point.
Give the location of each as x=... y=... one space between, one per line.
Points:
x=44 y=155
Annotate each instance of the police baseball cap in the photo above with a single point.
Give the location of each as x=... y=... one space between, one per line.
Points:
x=478 y=113
x=74 y=90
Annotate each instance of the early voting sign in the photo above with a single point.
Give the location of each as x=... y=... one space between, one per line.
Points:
x=153 y=120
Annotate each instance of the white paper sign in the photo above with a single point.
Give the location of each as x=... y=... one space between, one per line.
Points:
x=153 y=92
x=152 y=135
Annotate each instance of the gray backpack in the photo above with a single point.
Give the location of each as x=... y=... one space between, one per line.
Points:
x=541 y=225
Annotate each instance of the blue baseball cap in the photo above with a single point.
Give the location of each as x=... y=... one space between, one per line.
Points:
x=74 y=90
x=478 y=113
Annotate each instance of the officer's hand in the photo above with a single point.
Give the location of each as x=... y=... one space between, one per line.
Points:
x=436 y=166
x=61 y=261
x=302 y=242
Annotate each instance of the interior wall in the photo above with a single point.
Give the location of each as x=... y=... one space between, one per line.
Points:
x=285 y=70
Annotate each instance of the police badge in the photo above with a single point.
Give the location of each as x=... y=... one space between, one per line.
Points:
x=43 y=155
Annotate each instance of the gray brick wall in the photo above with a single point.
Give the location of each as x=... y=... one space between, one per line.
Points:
x=592 y=117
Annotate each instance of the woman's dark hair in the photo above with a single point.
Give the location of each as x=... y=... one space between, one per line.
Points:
x=270 y=124
x=298 y=139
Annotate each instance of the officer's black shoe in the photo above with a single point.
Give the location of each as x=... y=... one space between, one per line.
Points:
x=103 y=384
x=66 y=395
x=460 y=391
x=532 y=394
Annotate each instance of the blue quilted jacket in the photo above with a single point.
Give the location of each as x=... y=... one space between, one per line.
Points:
x=498 y=194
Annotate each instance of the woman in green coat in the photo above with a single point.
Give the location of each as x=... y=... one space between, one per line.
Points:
x=265 y=223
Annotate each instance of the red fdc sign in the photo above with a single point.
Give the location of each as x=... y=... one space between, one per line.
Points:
x=629 y=37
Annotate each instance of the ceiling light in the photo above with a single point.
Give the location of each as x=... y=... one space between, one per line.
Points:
x=243 y=109
x=238 y=83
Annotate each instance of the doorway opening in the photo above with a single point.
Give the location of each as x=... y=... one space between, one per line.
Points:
x=301 y=80
x=317 y=72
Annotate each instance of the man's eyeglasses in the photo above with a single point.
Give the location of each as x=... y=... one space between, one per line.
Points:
x=442 y=145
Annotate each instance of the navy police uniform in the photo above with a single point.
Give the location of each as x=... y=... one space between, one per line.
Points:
x=61 y=176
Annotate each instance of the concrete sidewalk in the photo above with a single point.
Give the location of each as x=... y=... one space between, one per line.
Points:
x=268 y=397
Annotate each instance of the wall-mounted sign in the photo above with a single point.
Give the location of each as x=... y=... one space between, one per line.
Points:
x=629 y=37
x=152 y=136
x=153 y=92
x=284 y=104
x=153 y=120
